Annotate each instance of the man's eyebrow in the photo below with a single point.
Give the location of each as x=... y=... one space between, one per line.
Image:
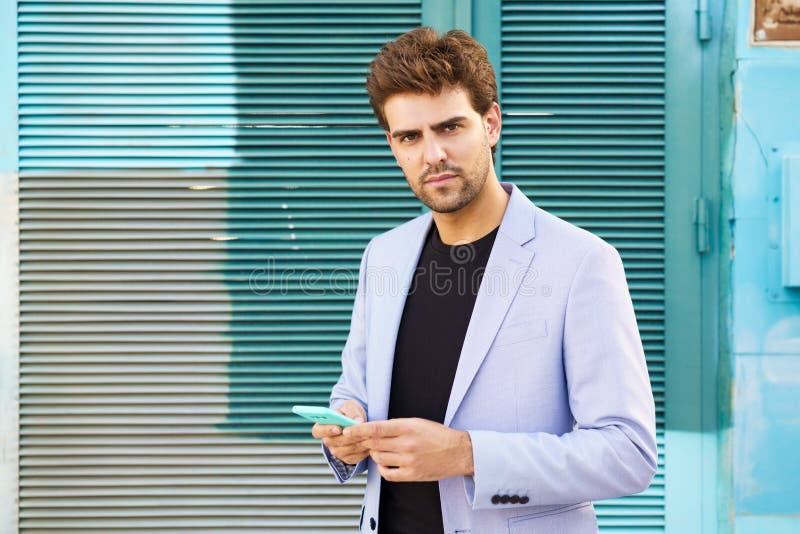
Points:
x=451 y=120
x=437 y=126
x=403 y=133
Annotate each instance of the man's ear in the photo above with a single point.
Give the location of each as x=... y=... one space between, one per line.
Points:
x=492 y=120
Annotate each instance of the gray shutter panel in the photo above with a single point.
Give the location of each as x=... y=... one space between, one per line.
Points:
x=181 y=164
x=583 y=137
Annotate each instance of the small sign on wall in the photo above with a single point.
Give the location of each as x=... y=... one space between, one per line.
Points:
x=776 y=22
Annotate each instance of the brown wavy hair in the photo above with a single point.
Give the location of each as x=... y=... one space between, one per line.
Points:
x=422 y=62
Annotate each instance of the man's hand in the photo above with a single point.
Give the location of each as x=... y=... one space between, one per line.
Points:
x=348 y=450
x=417 y=450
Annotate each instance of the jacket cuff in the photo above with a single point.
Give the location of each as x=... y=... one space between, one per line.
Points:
x=342 y=470
x=485 y=490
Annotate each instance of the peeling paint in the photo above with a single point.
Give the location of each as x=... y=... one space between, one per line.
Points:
x=784 y=337
x=767 y=457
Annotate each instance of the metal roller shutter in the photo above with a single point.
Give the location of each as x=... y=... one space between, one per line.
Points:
x=583 y=99
x=182 y=163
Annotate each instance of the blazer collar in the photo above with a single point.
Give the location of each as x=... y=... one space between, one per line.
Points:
x=518 y=220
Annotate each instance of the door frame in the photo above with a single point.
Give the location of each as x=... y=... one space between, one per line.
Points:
x=692 y=279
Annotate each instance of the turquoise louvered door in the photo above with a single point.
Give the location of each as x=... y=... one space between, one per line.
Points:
x=198 y=181
x=583 y=137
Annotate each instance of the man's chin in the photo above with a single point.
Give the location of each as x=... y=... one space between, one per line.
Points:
x=444 y=207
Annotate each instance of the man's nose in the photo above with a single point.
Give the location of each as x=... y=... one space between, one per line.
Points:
x=434 y=152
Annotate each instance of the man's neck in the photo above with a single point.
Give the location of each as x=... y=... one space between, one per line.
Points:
x=477 y=219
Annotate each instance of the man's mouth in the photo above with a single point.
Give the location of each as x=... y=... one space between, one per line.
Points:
x=440 y=178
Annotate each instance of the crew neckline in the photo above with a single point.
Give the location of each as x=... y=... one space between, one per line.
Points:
x=440 y=246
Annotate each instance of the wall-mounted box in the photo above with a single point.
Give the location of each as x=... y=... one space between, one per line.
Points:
x=791 y=221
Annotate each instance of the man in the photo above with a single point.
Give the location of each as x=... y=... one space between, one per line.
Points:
x=493 y=347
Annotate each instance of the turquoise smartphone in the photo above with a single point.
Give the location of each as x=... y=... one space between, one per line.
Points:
x=322 y=415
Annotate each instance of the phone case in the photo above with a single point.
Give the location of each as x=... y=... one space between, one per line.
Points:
x=322 y=415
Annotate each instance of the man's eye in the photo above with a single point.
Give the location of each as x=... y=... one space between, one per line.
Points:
x=451 y=127
x=408 y=138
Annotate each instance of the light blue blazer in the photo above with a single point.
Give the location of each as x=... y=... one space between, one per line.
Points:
x=551 y=384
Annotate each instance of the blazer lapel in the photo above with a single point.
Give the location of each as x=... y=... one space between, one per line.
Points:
x=506 y=268
x=396 y=274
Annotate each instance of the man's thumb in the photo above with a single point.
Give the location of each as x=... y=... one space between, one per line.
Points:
x=354 y=413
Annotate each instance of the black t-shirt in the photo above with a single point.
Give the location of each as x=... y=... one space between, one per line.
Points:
x=435 y=319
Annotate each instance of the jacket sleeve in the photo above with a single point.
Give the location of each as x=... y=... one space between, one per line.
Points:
x=612 y=449
x=352 y=382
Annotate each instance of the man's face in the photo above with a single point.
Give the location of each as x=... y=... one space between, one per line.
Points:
x=443 y=146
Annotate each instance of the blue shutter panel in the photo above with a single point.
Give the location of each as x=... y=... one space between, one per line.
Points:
x=583 y=137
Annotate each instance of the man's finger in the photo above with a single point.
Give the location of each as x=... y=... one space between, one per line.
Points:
x=394 y=474
x=341 y=452
x=340 y=443
x=354 y=411
x=390 y=444
x=387 y=459
x=342 y=440
x=372 y=429
x=324 y=431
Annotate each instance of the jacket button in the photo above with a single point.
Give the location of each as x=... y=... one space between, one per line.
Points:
x=372 y=524
x=524 y=499
x=505 y=499
x=515 y=499
x=495 y=499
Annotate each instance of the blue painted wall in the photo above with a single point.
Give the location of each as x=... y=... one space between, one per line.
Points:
x=764 y=320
